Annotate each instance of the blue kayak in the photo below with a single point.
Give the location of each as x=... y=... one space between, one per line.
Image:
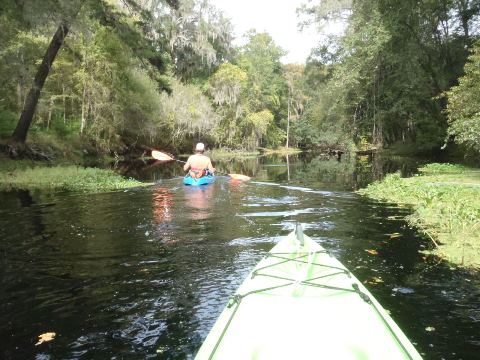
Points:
x=204 y=180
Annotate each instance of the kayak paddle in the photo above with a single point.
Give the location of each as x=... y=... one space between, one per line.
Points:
x=165 y=157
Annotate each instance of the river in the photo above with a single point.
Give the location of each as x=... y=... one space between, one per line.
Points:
x=144 y=273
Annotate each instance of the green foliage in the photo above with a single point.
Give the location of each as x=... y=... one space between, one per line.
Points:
x=185 y=114
x=255 y=126
x=322 y=14
x=260 y=59
x=297 y=96
x=20 y=51
x=65 y=129
x=382 y=78
x=323 y=124
x=464 y=104
x=8 y=121
x=104 y=79
x=250 y=96
x=107 y=81
x=445 y=168
x=305 y=135
x=65 y=178
x=227 y=85
x=380 y=81
x=197 y=36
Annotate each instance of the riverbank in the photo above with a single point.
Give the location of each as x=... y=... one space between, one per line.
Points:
x=30 y=175
x=446 y=203
x=223 y=154
x=281 y=151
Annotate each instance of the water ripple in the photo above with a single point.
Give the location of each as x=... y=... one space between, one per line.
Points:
x=286 y=213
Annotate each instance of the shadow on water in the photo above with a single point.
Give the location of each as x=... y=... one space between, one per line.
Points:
x=145 y=272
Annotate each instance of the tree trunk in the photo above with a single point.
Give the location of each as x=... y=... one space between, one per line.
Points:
x=20 y=133
x=50 y=110
x=19 y=95
x=83 y=122
x=288 y=120
x=464 y=16
x=64 y=105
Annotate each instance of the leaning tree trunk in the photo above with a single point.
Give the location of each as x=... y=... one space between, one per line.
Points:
x=20 y=133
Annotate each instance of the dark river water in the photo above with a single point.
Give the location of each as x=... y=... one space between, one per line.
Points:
x=145 y=272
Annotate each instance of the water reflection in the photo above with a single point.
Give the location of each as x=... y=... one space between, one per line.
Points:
x=163 y=202
x=323 y=171
x=200 y=200
x=288 y=167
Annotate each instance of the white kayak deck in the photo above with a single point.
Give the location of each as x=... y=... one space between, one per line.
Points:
x=301 y=303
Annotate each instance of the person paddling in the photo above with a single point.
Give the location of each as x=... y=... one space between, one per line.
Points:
x=198 y=163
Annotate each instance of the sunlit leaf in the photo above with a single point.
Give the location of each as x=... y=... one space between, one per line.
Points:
x=374 y=281
x=161 y=349
x=395 y=235
x=48 y=336
x=395 y=217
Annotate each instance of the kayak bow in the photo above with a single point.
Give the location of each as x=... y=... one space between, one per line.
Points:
x=301 y=303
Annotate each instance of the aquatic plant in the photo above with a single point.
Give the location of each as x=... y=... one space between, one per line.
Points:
x=445 y=200
x=67 y=178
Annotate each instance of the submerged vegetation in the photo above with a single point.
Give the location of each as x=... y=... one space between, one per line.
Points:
x=446 y=203
x=66 y=178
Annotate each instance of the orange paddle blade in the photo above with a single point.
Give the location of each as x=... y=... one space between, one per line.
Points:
x=239 y=177
x=161 y=156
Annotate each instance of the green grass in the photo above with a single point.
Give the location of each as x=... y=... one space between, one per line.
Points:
x=65 y=178
x=446 y=168
x=446 y=203
x=8 y=165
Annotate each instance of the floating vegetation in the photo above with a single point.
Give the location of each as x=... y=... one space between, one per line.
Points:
x=446 y=203
x=66 y=178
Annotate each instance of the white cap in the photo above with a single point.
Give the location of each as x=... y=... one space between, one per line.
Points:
x=200 y=147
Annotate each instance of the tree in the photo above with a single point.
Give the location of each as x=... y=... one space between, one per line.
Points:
x=390 y=67
x=255 y=126
x=260 y=59
x=294 y=76
x=187 y=116
x=323 y=13
x=20 y=133
x=464 y=104
x=266 y=85
x=227 y=86
x=196 y=34
x=65 y=13
x=250 y=95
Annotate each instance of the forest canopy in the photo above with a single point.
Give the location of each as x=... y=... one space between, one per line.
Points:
x=115 y=75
